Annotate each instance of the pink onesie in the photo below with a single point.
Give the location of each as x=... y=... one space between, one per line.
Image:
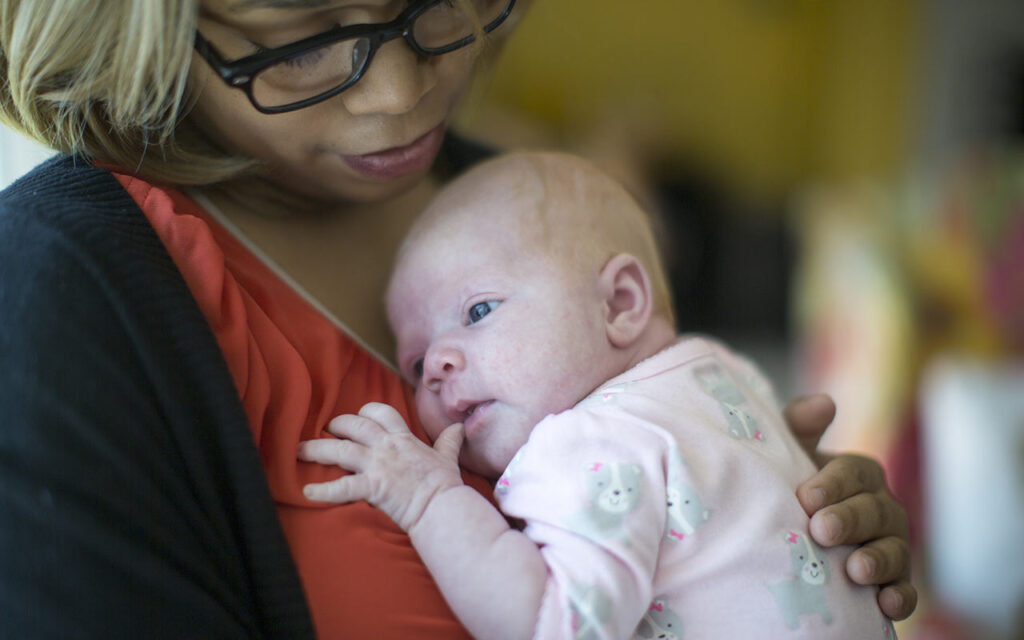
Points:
x=664 y=507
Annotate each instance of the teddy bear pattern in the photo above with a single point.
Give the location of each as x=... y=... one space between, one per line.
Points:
x=589 y=610
x=659 y=623
x=613 y=491
x=742 y=425
x=686 y=512
x=804 y=592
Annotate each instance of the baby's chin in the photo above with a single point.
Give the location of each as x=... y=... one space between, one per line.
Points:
x=481 y=466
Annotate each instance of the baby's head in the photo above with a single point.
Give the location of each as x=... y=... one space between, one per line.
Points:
x=525 y=284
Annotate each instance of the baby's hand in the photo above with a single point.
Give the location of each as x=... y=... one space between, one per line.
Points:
x=393 y=470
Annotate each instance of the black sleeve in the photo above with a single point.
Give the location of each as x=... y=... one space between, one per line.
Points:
x=131 y=505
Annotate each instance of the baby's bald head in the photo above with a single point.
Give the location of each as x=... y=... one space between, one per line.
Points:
x=555 y=203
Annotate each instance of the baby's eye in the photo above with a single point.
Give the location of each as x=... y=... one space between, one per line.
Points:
x=481 y=309
x=417 y=369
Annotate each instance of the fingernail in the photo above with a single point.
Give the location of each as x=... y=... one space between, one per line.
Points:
x=833 y=527
x=817 y=498
x=868 y=565
x=897 y=599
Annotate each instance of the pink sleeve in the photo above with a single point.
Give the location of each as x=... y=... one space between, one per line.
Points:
x=590 y=486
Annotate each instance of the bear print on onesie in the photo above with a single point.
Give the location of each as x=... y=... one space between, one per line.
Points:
x=804 y=592
x=685 y=510
x=714 y=380
x=590 y=609
x=613 y=490
x=660 y=623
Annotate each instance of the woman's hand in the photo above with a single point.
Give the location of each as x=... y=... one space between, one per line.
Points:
x=849 y=503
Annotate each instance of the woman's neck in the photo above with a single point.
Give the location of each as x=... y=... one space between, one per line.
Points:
x=339 y=253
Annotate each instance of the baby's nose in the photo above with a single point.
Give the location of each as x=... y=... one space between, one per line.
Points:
x=440 y=364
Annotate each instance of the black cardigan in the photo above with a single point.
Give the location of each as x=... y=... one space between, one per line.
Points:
x=132 y=499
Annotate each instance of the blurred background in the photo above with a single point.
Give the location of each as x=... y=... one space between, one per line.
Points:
x=839 y=189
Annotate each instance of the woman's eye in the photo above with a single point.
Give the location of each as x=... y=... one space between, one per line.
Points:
x=417 y=369
x=304 y=59
x=481 y=309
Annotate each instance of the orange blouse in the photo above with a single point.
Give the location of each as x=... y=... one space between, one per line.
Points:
x=294 y=371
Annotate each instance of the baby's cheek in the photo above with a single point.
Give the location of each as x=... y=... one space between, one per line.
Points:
x=430 y=413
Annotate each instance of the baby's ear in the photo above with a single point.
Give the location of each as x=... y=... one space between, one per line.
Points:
x=627 y=295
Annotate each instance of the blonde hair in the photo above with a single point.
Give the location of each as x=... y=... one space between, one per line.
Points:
x=107 y=79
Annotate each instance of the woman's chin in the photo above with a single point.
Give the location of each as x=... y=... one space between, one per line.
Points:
x=276 y=192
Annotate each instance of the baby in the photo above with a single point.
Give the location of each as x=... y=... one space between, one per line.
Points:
x=650 y=476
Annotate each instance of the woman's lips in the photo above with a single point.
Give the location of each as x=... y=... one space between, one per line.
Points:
x=399 y=161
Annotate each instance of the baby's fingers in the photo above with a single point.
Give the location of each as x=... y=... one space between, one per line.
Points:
x=385 y=415
x=344 y=453
x=449 y=442
x=357 y=428
x=345 y=489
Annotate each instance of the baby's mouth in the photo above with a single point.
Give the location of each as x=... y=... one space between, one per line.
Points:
x=473 y=415
x=468 y=413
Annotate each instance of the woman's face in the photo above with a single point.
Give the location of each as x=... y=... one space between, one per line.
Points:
x=373 y=141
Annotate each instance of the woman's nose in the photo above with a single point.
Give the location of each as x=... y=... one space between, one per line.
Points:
x=439 y=364
x=393 y=84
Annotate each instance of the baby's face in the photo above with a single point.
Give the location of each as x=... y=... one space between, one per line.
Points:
x=494 y=334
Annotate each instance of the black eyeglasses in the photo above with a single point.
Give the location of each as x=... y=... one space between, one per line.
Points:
x=311 y=70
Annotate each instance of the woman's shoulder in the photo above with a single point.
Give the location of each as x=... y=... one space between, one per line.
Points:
x=65 y=196
x=68 y=226
x=65 y=181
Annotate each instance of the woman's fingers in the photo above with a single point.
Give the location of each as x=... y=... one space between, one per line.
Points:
x=898 y=600
x=808 y=417
x=849 y=503
x=882 y=561
x=343 y=453
x=841 y=478
x=345 y=489
x=886 y=562
x=863 y=517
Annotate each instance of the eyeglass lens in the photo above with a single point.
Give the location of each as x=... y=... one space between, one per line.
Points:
x=321 y=70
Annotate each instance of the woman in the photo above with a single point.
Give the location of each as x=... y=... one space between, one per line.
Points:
x=203 y=276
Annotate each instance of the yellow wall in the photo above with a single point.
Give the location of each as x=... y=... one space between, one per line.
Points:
x=764 y=93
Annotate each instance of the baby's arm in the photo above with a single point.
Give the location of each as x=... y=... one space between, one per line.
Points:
x=491 y=575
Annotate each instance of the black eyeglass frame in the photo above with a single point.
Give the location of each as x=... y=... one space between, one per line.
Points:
x=241 y=73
